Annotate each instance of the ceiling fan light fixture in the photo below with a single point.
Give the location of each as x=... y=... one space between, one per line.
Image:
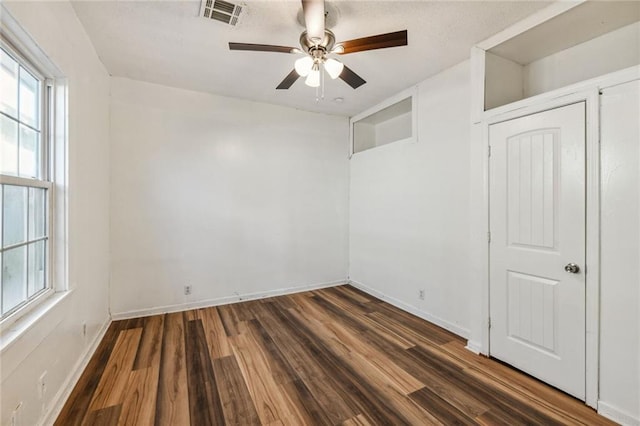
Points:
x=334 y=68
x=317 y=43
x=304 y=65
x=313 y=79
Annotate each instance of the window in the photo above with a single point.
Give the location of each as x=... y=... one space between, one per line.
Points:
x=25 y=183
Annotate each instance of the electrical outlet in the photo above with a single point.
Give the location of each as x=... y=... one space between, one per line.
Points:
x=42 y=385
x=187 y=290
x=421 y=294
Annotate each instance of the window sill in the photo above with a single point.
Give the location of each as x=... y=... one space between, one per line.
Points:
x=13 y=331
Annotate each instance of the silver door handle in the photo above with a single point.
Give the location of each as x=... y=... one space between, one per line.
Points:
x=572 y=268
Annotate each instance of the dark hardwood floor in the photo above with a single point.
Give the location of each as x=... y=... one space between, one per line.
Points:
x=330 y=357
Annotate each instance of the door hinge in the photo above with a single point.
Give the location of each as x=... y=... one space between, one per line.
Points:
x=489 y=236
x=489 y=323
x=489 y=152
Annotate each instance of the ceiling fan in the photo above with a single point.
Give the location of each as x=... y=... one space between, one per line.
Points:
x=318 y=43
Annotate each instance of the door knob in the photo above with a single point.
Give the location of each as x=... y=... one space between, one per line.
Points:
x=572 y=268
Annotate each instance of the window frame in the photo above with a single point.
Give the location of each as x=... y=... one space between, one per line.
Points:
x=45 y=181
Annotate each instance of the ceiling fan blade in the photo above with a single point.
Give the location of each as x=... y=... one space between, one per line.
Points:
x=380 y=41
x=288 y=80
x=261 y=47
x=314 y=19
x=351 y=78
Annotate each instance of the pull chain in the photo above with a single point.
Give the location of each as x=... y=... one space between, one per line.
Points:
x=322 y=72
x=320 y=88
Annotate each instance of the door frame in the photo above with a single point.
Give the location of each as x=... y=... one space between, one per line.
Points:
x=591 y=97
x=591 y=268
x=589 y=92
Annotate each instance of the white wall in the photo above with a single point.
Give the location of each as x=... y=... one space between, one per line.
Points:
x=504 y=81
x=229 y=196
x=364 y=136
x=614 y=51
x=393 y=129
x=55 y=343
x=620 y=245
x=409 y=215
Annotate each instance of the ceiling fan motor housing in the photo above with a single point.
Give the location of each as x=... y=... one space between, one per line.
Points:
x=326 y=44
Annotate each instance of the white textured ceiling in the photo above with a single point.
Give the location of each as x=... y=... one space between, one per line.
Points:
x=166 y=42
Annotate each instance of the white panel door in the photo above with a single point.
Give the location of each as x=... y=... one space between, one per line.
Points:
x=537 y=223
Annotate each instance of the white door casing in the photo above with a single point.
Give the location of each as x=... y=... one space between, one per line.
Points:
x=537 y=224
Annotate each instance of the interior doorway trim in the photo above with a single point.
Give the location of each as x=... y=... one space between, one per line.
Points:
x=592 y=191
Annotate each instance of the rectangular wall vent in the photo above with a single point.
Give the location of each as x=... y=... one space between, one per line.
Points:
x=221 y=10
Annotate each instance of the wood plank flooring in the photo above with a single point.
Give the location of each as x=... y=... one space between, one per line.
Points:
x=335 y=356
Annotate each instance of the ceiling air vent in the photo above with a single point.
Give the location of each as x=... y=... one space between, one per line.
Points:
x=221 y=10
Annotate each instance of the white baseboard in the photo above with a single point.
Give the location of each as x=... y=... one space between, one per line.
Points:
x=617 y=415
x=58 y=401
x=222 y=300
x=474 y=347
x=462 y=332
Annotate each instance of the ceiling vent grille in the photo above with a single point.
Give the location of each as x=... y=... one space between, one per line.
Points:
x=221 y=10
